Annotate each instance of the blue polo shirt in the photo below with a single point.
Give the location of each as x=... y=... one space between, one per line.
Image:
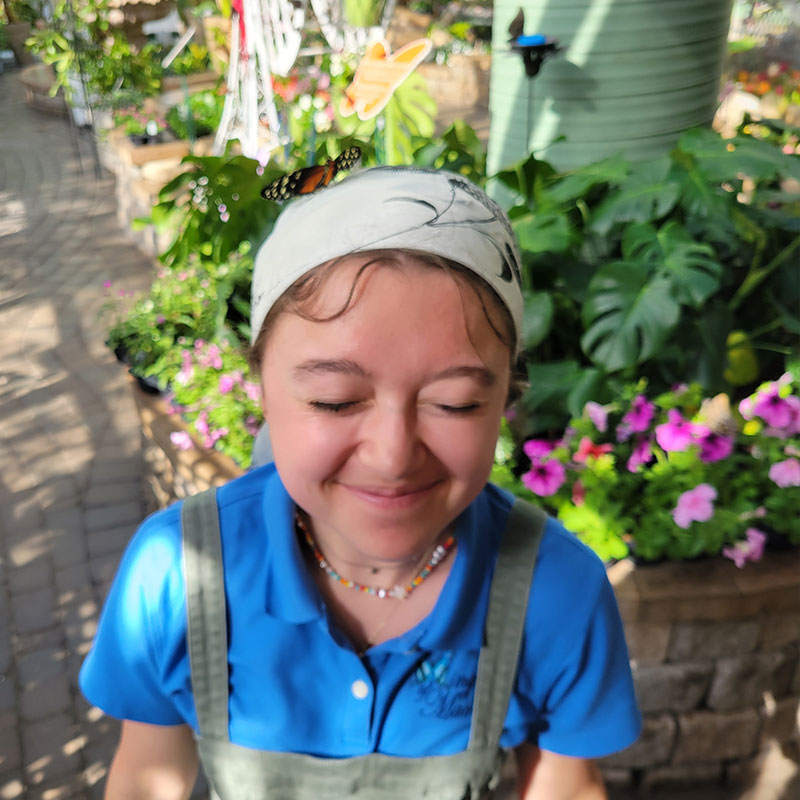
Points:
x=296 y=683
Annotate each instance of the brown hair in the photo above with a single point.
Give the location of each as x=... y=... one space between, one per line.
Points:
x=298 y=296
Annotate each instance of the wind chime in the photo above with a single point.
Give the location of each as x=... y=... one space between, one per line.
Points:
x=265 y=40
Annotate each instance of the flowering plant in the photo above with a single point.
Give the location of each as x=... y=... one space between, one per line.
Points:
x=778 y=78
x=672 y=476
x=136 y=122
x=213 y=393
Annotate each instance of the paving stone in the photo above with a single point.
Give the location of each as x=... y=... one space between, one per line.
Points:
x=51 y=749
x=103 y=568
x=109 y=494
x=70 y=580
x=11 y=786
x=46 y=698
x=113 y=516
x=647 y=642
x=33 y=611
x=25 y=547
x=8 y=697
x=10 y=754
x=115 y=470
x=109 y=542
x=34 y=575
x=40 y=666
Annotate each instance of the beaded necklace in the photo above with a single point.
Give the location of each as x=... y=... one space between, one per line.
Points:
x=398 y=592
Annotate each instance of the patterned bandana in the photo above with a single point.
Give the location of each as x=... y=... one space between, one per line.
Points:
x=390 y=208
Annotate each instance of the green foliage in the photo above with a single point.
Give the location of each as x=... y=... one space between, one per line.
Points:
x=648 y=269
x=194 y=58
x=200 y=117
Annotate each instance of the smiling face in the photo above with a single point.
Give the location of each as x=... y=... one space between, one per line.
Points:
x=384 y=420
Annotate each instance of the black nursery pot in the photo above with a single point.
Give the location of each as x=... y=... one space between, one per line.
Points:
x=145 y=138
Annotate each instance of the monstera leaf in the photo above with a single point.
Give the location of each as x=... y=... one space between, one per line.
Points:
x=689 y=265
x=648 y=193
x=627 y=315
x=409 y=114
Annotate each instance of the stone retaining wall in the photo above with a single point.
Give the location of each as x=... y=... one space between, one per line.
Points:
x=715 y=650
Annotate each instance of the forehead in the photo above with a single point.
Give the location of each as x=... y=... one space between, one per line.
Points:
x=364 y=302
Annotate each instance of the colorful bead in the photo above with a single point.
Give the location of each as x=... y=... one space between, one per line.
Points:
x=396 y=592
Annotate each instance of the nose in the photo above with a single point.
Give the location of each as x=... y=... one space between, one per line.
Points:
x=390 y=442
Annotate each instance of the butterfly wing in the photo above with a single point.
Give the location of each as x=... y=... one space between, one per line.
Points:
x=301 y=181
x=516 y=27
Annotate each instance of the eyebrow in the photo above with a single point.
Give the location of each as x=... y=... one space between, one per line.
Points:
x=344 y=366
x=338 y=366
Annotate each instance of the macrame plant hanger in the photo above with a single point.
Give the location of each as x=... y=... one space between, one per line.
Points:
x=265 y=40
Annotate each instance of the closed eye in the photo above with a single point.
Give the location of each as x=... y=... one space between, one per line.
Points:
x=332 y=408
x=465 y=409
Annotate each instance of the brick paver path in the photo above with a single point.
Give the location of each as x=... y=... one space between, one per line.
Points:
x=70 y=464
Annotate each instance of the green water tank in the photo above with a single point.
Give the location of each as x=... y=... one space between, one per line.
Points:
x=631 y=75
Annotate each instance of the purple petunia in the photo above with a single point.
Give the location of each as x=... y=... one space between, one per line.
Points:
x=537 y=448
x=696 y=505
x=713 y=446
x=773 y=408
x=640 y=414
x=785 y=473
x=641 y=454
x=545 y=477
x=676 y=434
x=752 y=549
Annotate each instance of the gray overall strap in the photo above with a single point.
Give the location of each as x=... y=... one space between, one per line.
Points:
x=505 y=620
x=207 y=630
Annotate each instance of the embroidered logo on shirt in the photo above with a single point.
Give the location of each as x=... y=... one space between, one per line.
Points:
x=440 y=694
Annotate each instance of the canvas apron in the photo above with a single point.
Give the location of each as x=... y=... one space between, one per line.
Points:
x=240 y=773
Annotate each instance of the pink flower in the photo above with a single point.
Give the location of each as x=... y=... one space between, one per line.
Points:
x=750 y=550
x=675 y=435
x=226 y=383
x=785 y=473
x=773 y=408
x=642 y=454
x=182 y=276
x=545 y=477
x=537 y=448
x=578 y=493
x=199 y=344
x=588 y=449
x=597 y=414
x=201 y=423
x=746 y=408
x=696 y=505
x=713 y=446
x=106 y=284
x=160 y=319
x=792 y=427
x=251 y=425
x=181 y=440
x=252 y=390
x=187 y=369
x=212 y=357
x=640 y=415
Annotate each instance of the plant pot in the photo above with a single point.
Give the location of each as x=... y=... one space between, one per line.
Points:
x=17 y=33
x=631 y=76
x=708 y=642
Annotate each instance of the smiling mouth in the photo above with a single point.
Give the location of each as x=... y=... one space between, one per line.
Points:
x=380 y=494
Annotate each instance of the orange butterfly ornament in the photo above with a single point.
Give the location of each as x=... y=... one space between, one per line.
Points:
x=378 y=75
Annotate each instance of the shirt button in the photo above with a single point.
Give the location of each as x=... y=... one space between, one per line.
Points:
x=359 y=689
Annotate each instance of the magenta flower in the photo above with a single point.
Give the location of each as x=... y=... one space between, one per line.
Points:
x=545 y=477
x=537 y=448
x=212 y=357
x=226 y=383
x=252 y=390
x=713 y=446
x=251 y=425
x=792 y=428
x=642 y=454
x=675 y=435
x=696 y=505
x=752 y=549
x=106 y=284
x=588 y=449
x=181 y=440
x=201 y=423
x=785 y=473
x=597 y=415
x=199 y=344
x=773 y=408
x=640 y=415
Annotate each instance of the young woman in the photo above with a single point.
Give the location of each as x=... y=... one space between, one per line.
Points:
x=367 y=617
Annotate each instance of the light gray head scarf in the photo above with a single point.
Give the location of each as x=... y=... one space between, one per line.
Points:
x=390 y=208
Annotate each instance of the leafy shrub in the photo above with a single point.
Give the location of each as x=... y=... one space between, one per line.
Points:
x=200 y=118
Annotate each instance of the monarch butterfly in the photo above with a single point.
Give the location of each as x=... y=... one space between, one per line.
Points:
x=309 y=179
